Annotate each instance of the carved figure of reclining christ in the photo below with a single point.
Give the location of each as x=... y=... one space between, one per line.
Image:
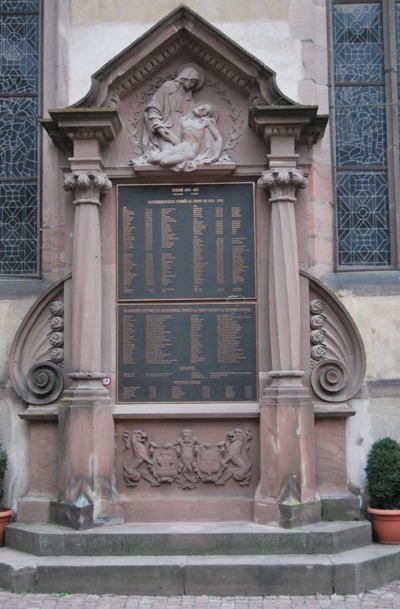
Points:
x=199 y=142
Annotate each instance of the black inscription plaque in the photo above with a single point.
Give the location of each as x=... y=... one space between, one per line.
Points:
x=187 y=353
x=178 y=242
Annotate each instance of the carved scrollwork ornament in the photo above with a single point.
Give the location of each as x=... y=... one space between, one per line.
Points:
x=337 y=361
x=317 y=321
x=318 y=351
x=317 y=336
x=57 y=355
x=57 y=323
x=37 y=355
x=45 y=381
x=282 y=185
x=316 y=306
x=329 y=379
x=57 y=308
x=56 y=339
x=87 y=188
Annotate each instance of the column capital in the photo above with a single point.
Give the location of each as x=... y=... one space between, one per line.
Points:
x=282 y=185
x=87 y=188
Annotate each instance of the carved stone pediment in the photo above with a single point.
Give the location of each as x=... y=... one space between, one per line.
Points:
x=183 y=33
x=143 y=86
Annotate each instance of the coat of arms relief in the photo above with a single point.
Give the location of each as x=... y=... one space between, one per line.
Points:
x=187 y=461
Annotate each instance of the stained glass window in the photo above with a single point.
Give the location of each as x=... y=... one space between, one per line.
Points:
x=19 y=111
x=363 y=218
x=360 y=102
x=397 y=26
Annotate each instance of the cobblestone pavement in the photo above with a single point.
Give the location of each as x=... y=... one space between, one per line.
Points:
x=385 y=597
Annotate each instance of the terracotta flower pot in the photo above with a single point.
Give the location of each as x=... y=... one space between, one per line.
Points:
x=5 y=517
x=386 y=525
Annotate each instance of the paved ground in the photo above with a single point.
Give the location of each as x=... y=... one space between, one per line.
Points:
x=386 y=597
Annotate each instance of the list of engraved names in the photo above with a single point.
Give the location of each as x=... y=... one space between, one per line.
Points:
x=186 y=292
x=185 y=242
x=190 y=353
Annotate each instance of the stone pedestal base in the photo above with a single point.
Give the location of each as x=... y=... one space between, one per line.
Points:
x=269 y=511
x=300 y=514
x=87 y=495
x=84 y=517
x=72 y=515
x=286 y=495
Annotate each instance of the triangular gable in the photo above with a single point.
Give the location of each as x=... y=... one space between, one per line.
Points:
x=183 y=32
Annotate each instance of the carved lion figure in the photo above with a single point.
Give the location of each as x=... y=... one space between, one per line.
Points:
x=136 y=459
x=237 y=458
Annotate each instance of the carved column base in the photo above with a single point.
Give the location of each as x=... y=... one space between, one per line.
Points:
x=85 y=517
x=87 y=495
x=286 y=495
x=299 y=515
x=269 y=511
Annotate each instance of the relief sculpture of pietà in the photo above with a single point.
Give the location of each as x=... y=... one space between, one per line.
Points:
x=178 y=132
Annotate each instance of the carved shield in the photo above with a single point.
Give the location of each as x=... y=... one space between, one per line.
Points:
x=165 y=465
x=208 y=464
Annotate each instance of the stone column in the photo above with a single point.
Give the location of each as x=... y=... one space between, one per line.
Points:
x=86 y=495
x=86 y=274
x=86 y=476
x=286 y=493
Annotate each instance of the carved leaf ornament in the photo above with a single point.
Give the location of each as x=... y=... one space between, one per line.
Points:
x=282 y=184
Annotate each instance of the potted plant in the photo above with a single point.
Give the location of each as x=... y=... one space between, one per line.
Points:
x=5 y=512
x=383 y=484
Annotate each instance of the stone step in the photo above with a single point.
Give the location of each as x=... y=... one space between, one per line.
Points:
x=225 y=558
x=351 y=571
x=205 y=538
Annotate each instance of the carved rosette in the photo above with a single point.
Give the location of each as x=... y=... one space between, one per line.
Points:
x=187 y=460
x=282 y=185
x=87 y=188
x=336 y=349
x=56 y=336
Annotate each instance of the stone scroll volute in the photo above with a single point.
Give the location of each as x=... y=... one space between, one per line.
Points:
x=37 y=363
x=337 y=356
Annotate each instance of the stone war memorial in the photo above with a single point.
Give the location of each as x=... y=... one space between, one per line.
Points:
x=189 y=368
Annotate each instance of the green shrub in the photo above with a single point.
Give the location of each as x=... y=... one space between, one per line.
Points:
x=3 y=469
x=383 y=474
